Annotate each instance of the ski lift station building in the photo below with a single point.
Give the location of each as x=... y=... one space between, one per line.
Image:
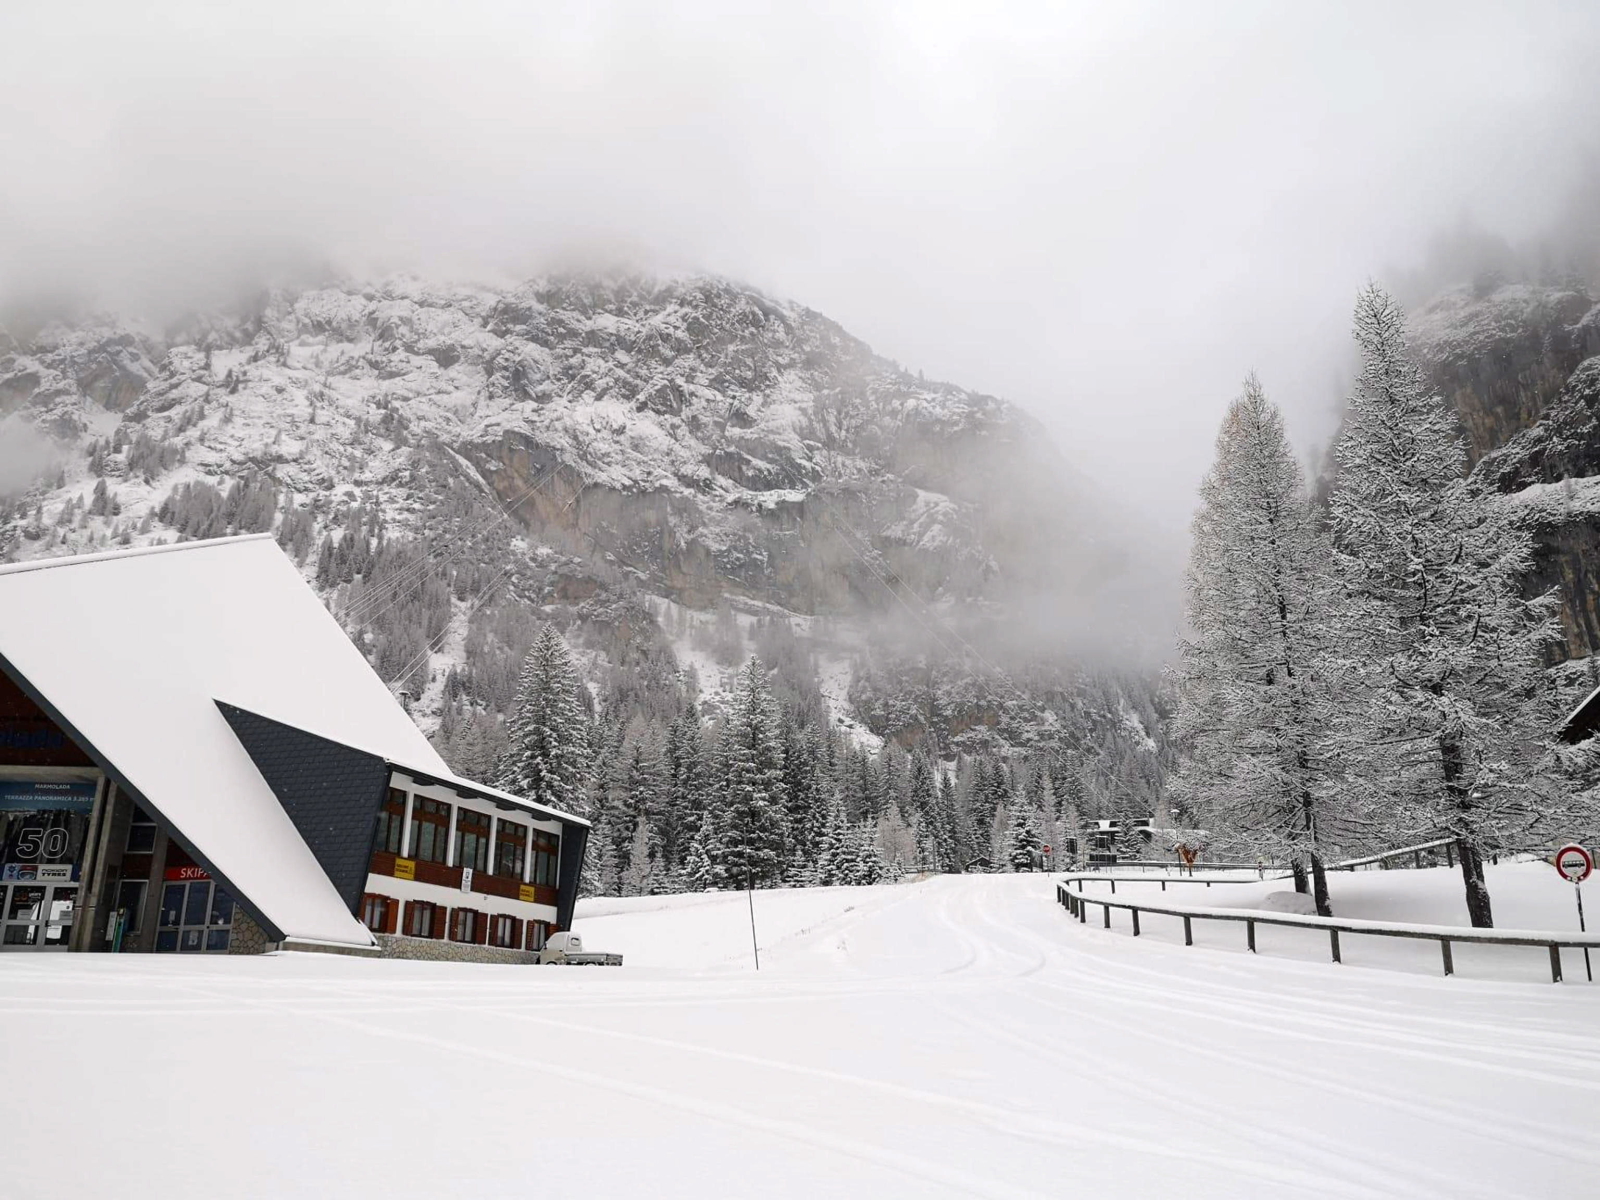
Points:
x=194 y=757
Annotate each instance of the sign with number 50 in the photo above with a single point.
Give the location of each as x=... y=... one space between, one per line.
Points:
x=42 y=844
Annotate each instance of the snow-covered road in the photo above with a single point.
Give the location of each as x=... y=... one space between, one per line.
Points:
x=955 y=1037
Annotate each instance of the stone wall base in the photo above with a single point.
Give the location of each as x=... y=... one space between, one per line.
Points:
x=398 y=945
x=248 y=937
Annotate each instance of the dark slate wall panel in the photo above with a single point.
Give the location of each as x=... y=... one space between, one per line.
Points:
x=574 y=842
x=331 y=792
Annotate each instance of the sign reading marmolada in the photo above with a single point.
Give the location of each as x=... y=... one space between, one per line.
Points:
x=1574 y=863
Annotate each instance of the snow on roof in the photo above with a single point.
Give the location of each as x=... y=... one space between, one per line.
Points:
x=133 y=649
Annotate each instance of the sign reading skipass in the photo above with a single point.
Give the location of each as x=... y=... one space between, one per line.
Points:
x=179 y=874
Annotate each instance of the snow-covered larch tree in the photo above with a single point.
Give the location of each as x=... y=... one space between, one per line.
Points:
x=1256 y=712
x=547 y=759
x=1447 y=650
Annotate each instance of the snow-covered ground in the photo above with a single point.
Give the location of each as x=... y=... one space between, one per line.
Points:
x=956 y=1037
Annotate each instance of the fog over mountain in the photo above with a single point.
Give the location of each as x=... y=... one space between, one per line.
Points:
x=1103 y=213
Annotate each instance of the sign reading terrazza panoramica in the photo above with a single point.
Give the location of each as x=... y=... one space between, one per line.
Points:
x=32 y=795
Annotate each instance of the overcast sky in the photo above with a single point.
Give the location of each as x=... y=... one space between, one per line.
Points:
x=1107 y=213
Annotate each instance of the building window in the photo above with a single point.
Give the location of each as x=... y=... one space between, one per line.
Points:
x=430 y=829
x=537 y=932
x=503 y=932
x=375 y=913
x=141 y=832
x=510 y=849
x=464 y=925
x=391 y=823
x=472 y=840
x=547 y=857
x=419 y=919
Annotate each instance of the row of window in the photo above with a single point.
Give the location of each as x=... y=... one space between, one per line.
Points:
x=430 y=836
x=422 y=919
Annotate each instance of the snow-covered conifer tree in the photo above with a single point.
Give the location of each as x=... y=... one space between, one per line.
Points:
x=699 y=871
x=1022 y=832
x=933 y=828
x=547 y=759
x=1256 y=709
x=754 y=820
x=1446 y=650
x=638 y=878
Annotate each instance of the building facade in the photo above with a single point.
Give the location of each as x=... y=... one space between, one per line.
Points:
x=195 y=759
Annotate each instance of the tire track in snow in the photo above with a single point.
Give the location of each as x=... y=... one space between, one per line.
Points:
x=954 y=1178
x=1006 y=1121
x=1313 y=1027
x=1334 y=1156
x=1508 y=1127
x=1529 y=1134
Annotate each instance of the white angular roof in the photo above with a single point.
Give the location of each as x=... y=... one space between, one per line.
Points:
x=134 y=648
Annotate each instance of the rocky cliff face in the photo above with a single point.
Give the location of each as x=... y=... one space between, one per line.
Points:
x=1521 y=363
x=663 y=448
x=695 y=433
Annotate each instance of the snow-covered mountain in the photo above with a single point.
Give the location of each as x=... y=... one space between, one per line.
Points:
x=664 y=464
x=695 y=432
x=1521 y=364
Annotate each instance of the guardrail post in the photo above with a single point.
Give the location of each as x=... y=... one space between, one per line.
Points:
x=1188 y=932
x=1113 y=887
x=1163 y=885
x=1135 y=913
x=1449 y=963
x=1555 y=963
x=1083 y=910
x=1106 y=908
x=1333 y=939
x=1250 y=935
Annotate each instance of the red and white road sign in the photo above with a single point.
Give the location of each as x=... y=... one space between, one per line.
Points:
x=1047 y=849
x=1574 y=863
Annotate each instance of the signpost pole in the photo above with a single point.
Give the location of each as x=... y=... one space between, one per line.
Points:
x=750 y=895
x=1577 y=890
x=1574 y=864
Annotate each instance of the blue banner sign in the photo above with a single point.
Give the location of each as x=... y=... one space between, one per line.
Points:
x=34 y=795
x=30 y=735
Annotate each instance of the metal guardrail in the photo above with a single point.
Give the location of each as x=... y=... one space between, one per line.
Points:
x=1414 y=853
x=1174 y=865
x=1183 y=876
x=1077 y=903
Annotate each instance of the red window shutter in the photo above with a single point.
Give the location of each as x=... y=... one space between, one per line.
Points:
x=441 y=918
x=391 y=913
x=406 y=923
x=480 y=928
x=516 y=931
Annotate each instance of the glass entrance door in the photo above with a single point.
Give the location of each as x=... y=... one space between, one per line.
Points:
x=36 y=916
x=196 y=915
